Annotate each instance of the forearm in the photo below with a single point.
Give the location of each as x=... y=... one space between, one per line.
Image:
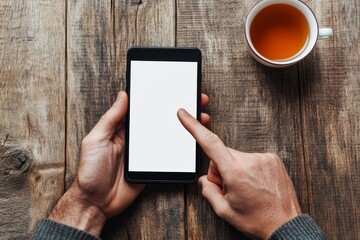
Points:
x=75 y=211
x=73 y=217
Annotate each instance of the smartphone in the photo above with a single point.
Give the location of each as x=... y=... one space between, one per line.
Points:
x=160 y=81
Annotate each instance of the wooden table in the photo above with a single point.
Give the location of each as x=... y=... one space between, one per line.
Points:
x=63 y=62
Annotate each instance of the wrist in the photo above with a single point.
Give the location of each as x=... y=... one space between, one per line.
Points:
x=75 y=211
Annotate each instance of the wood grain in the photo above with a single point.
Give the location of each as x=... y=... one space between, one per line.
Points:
x=159 y=212
x=253 y=108
x=32 y=110
x=100 y=32
x=330 y=100
x=62 y=64
x=91 y=86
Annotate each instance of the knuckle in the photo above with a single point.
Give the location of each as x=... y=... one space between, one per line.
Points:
x=204 y=191
x=257 y=157
x=255 y=165
x=88 y=140
x=256 y=162
x=211 y=138
x=264 y=160
x=104 y=117
x=85 y=140
x=272 y=158
x=220 y=210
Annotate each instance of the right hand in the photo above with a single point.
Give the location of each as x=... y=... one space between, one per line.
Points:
x=251 y=191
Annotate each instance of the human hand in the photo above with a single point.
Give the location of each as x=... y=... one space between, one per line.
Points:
x=99 y=190
x=252 y=191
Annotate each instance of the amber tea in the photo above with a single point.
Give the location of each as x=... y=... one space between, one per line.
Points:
x=279 y=32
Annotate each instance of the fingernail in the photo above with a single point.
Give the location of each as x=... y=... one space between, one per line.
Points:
x=119 y=96
x=183 y=112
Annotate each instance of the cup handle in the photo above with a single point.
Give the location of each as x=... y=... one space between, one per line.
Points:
x=325 y=33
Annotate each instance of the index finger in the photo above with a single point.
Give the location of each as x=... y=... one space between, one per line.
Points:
x=208 y=141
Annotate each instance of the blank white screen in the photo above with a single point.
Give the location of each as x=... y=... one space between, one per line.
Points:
x=157 y=140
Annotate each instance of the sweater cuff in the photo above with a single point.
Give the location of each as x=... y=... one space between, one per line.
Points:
x=301 y=227
x=49 y=229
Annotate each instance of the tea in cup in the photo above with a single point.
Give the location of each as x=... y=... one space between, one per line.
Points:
x=280 y=33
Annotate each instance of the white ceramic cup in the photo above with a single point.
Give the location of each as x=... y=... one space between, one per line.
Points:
x=315 y=32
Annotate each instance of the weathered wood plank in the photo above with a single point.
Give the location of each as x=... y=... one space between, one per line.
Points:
x=91 y=85
x=100 y=32
x=330 y=87
x=32 y=108
x=253 y=108
x=159 y=212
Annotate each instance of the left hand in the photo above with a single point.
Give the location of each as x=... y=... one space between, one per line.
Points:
x=99 y=190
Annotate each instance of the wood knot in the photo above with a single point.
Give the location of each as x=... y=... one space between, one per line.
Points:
x=137 y=2
x=14 y=160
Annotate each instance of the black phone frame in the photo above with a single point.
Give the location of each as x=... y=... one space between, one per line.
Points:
x=162 y=54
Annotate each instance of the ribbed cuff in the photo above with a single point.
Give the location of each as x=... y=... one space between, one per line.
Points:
x=302 y=227
x=48 y=229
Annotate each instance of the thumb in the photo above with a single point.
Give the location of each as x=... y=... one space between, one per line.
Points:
x=109 y=122
x=213 y=193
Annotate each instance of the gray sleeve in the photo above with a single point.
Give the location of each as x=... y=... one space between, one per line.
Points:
x=48 y=229
x=302 y=227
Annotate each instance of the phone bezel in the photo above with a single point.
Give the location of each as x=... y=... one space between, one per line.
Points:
x=162 y=54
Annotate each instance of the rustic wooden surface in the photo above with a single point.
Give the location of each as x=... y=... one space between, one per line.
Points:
x=62 y=63
x=32 y=112
x=330 y=107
